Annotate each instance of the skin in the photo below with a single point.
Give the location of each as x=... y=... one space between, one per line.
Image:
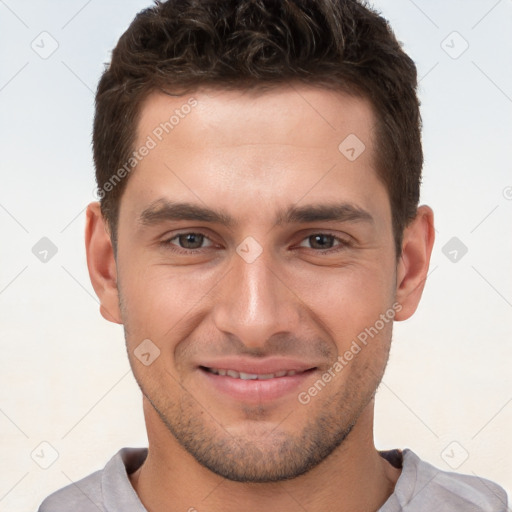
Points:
x=252 y=156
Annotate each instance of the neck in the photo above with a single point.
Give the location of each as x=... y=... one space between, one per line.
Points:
x=353 y=477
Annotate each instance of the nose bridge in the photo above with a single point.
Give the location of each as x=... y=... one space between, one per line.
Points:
x=254 y=302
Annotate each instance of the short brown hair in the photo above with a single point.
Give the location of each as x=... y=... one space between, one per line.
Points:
x=181 y=45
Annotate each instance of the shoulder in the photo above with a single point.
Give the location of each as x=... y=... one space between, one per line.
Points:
x=94 y=492
x=81 y=496
x=425 y=487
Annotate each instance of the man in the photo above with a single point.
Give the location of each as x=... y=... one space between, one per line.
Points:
x=258 y=165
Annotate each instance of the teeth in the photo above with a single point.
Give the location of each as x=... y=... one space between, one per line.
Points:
x=248 y=376
x=251 y=376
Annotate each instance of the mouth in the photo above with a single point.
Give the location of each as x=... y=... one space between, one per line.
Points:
x=253 y=384
x=252 y=376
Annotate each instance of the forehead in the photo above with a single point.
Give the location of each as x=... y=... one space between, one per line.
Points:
x=248 y=148
x=304 y=116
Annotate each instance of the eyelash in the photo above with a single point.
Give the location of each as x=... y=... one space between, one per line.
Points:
x=342 y=243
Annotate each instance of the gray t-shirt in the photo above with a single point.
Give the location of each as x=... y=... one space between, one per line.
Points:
x=420 y=488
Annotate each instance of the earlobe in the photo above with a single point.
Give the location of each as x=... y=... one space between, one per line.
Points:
x=414 y=261
x=101 y=263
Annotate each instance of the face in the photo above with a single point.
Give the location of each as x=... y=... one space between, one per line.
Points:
x=252 y=253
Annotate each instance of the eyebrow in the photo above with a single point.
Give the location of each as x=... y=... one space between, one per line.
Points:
x=163 y=210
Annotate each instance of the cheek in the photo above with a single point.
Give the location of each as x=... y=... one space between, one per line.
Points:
x=166 y=303
x=346 y=300
x=157 y=299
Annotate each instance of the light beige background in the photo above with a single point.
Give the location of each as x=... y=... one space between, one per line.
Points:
x=65 y=378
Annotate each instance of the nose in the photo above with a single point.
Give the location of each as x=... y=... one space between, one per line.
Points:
x=255 y=303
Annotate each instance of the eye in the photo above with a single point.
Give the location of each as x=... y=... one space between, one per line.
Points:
x=323 y=242
x=188 y=241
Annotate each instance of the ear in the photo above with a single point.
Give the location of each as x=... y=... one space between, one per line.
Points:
x=101 y=263
x=413 y=264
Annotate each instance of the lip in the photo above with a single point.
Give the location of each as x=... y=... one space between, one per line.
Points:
x=256 y=391
x=258 y=366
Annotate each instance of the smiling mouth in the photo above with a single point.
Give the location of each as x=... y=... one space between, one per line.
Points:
x=253 y=376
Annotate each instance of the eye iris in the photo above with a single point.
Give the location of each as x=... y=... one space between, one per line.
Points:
x=191 y=240
x=321 y=241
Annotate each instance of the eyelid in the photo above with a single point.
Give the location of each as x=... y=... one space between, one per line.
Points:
x=341 y=236
x=167 y=240
x=172 y=236
x=342 y=241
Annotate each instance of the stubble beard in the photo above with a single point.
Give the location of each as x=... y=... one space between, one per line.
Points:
x=263 y=454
